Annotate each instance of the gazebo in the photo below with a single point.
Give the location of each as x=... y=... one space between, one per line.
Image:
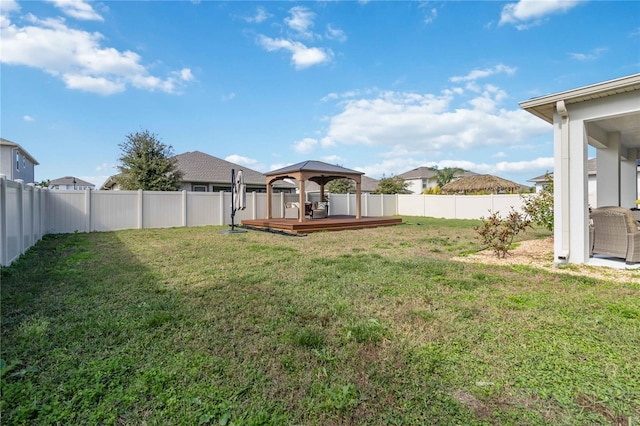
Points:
x=481 y=183
x=315 y=171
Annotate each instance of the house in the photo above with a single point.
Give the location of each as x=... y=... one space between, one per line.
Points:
x=15 y=162
x=591 y=176
x=422 y=178
x=205 y=173
x=70 y=182
x=606 y=116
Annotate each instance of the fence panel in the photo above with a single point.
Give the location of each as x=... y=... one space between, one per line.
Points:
x=66 y=211
x=13 y=228
x=203 y=208
x=21 y=218
x=114 y=210
x=162 y=209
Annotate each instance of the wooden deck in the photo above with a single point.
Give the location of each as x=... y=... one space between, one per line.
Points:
x=331 y=223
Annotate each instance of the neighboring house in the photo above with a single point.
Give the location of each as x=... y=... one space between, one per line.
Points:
x=15 y=162
x=592 y=182
x=70 y=182
x=205 y=173
x=368 y=185
x=423 y=178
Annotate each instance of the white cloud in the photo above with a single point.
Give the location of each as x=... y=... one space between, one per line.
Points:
x=431 y=16
x=484 y=73
x=590 y=56
x=246 y=161
x=421 y=125
x=260 y=16
x=500 y=154
x=305 y=145
x=301 y=55
x=528 y=13
x=78 y=58
x=332 y=159
x=78 y=9
x=335 y=34
x=228 y=97
x=28 y=119
x=301 y=21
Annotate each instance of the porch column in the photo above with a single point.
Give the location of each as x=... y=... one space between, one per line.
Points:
x=629 y=179
x=608 y=177
x=571 y=214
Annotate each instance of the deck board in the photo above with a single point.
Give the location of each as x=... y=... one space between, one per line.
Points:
x=331 y=223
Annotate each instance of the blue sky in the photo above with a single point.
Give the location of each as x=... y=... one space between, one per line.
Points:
x=380 y=87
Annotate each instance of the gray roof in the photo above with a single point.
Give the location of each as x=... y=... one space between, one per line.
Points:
x=24 y=152
x=69 y=180
x=428 y=173
x=197 y=166
x=314 y=166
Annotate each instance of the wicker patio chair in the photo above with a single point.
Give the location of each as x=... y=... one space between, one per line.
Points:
x=616 y=233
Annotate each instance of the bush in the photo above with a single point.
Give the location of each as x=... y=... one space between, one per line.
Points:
x=498 y=233
x=539 y=207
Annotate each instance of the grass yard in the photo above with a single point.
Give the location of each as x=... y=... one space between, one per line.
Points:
x=188 y=326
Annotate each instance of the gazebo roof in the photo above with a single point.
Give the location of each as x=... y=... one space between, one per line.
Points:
x=314 y=166
x=481 y=183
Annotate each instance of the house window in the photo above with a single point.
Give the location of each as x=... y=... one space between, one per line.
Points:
x=17 y=161
x=199 y=188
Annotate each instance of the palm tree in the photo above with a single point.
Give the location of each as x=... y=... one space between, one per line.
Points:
x=446 y=175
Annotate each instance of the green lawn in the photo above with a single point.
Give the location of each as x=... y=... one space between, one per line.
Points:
x=190 y=326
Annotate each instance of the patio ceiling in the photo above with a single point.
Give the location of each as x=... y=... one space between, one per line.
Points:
x=628 y=125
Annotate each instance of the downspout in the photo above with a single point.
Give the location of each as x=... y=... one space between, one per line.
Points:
x=561 y=108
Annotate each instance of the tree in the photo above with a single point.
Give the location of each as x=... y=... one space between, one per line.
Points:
x=341 y=186
x=147 y=164
x=392 y=185
x=446 y=175
x=44 y=183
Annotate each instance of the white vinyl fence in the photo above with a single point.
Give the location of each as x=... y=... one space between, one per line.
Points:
x=22 y=218
x=27 y=213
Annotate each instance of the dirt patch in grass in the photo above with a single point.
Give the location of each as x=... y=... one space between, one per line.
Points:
x=538 y=253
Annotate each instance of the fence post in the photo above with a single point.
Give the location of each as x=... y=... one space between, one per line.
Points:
x=140 y=203
x=254 y=205
x=87 y=209
x=32 y=213
x=21 y=214
x=3 y=220
x=221 y=208
x=184 y=207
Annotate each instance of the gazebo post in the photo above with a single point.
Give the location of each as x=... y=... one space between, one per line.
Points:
x=269 y=215
x=358 y=198
x=301 y=199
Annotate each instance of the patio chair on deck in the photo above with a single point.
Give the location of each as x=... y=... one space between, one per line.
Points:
x=616 y=233
x=291 y=211
x=320 y=210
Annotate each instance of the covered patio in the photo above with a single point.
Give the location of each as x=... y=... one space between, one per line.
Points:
x=605 y=116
